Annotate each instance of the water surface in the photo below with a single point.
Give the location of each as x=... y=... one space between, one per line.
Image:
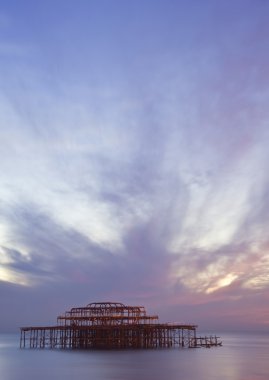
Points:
x=242 y=357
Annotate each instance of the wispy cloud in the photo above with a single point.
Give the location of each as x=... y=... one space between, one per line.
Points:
x=143 y=178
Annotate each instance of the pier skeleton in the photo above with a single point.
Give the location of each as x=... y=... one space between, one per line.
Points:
x=111 y=325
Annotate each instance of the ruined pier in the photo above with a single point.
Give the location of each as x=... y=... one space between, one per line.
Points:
x=111 y=325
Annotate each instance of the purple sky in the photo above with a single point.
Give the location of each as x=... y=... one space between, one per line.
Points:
x=134 y=145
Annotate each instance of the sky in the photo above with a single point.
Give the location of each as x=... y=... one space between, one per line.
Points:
x=134 y=145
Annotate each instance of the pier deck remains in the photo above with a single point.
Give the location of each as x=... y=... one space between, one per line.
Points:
x=110 y=325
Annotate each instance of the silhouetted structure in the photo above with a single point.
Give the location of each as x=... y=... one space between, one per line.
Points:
x=111 y=325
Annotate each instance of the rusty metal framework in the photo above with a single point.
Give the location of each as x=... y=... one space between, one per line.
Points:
x=106 y=314
x=112 y=325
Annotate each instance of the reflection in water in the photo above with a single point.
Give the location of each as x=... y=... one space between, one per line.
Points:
x=241 y=358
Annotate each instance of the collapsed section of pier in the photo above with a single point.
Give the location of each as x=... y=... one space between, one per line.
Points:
x=111 y=325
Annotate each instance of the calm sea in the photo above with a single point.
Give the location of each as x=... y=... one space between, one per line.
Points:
x=242 y=357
